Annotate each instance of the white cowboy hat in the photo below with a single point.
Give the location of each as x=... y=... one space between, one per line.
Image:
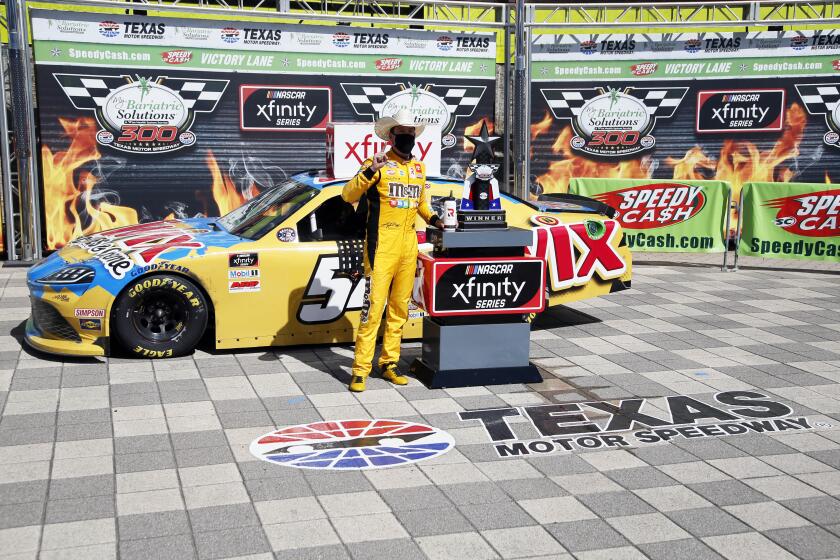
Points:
x=402 y=117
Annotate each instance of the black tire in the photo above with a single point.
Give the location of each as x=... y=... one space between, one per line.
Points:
x=160 y=316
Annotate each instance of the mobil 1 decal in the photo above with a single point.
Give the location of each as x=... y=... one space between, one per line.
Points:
x=634 y=422
x=343 y=445
x=613 y=122
x=740 y=110
x=284 y=108
x=143 y=114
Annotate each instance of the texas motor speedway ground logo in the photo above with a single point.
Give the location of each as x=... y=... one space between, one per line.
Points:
x=142 y=114
x=612 y=122
x=352 y=444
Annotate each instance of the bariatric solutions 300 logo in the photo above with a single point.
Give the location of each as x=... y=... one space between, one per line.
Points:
x=140 y=114
x=611 y=122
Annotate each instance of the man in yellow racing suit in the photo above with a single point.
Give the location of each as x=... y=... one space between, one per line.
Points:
x=395 y=187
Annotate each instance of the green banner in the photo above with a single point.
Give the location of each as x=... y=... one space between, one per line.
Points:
x=790 y=221
x=665 y=216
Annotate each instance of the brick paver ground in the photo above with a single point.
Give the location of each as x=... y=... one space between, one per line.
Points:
x=149 y=459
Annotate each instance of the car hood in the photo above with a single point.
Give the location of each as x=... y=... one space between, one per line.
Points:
x=117 y=255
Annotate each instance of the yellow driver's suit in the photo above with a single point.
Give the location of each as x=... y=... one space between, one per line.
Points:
x=395 y=194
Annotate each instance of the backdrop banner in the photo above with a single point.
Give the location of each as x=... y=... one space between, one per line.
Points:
x=790 y=221
x=735 y=107
x=665 y=216
x=145 y=118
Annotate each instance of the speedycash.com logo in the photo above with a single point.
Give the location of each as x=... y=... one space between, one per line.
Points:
x=602 y=424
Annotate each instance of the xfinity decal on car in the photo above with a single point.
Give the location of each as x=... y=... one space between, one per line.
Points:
x=243 y=260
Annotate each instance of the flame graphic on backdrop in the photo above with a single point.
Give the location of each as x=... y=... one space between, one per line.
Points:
x=68 y=209
x=71 y=208
x=739 y=161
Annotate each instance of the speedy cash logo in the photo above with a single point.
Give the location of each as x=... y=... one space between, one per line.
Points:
x=229 y=34
x=177 y=56
x=655 y=206
x=814 y=214
x=644 y=68
x=109 y=28
x=388 y=64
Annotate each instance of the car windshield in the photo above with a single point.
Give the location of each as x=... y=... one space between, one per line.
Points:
x=266 y=211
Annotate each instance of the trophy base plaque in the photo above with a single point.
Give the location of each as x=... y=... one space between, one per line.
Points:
x=481 y=219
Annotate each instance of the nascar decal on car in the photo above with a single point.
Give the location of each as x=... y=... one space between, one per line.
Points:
x=440 y=105
x=330 y=292
x=121 y=250
x=616 y=424
x=143 y=115
x=823 y=99
x=611 y=122
x=740 y=110
x=352 y=444
x=815 y=215
x=284 y=108
x=557 y=245
x=656 y=205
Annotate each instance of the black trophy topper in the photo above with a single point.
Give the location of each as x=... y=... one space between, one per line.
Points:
x=481 y=206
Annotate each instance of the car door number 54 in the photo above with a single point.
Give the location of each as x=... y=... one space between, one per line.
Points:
x=330 y=293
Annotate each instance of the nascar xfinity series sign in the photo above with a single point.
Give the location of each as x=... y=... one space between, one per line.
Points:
x=234 y=108
x=790 y=221
x=665 y=216
x=681 y=107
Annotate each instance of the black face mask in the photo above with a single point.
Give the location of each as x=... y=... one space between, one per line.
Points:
x=404 y=143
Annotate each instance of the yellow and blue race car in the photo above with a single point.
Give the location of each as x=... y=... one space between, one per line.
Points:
x=272 y=272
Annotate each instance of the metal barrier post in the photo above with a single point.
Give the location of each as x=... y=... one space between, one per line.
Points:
x=738 y=228
x=726 y=229
x=6 y=170
x=506 y=98
x=520 y=107
x=24 y=130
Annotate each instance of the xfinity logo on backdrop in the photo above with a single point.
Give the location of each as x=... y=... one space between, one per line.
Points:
x=278 y=108
x=740 y=110
x=593 y=425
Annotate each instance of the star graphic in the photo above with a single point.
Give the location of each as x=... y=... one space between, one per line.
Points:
x=543 y=71
x=55 y=52
x=742 y=67
x=285 y=61
x=482 y=67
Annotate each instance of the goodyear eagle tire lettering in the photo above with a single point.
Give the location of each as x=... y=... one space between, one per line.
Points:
x=160 y=316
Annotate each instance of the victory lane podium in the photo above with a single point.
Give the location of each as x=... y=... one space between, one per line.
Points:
x=476 y=288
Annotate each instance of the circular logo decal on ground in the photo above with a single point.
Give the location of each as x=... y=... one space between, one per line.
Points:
x=352 y=444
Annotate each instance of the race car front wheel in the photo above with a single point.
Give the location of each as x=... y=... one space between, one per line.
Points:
x=160 y=316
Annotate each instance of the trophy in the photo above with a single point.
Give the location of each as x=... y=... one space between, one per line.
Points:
x=481 y=207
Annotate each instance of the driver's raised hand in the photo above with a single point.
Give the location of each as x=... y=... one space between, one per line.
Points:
x=379 y=161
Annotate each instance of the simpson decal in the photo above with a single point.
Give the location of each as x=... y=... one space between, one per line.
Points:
x=611 y=122
x=352 y=444
x=143 y=114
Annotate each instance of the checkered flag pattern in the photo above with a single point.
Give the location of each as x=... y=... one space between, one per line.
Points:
x=819 y=99
x=660 y=102
x=367 y=99
x=199 y=95
x=88 y=91
x=567 y=103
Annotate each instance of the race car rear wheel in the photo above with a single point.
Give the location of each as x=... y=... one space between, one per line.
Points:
x=160 y=316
